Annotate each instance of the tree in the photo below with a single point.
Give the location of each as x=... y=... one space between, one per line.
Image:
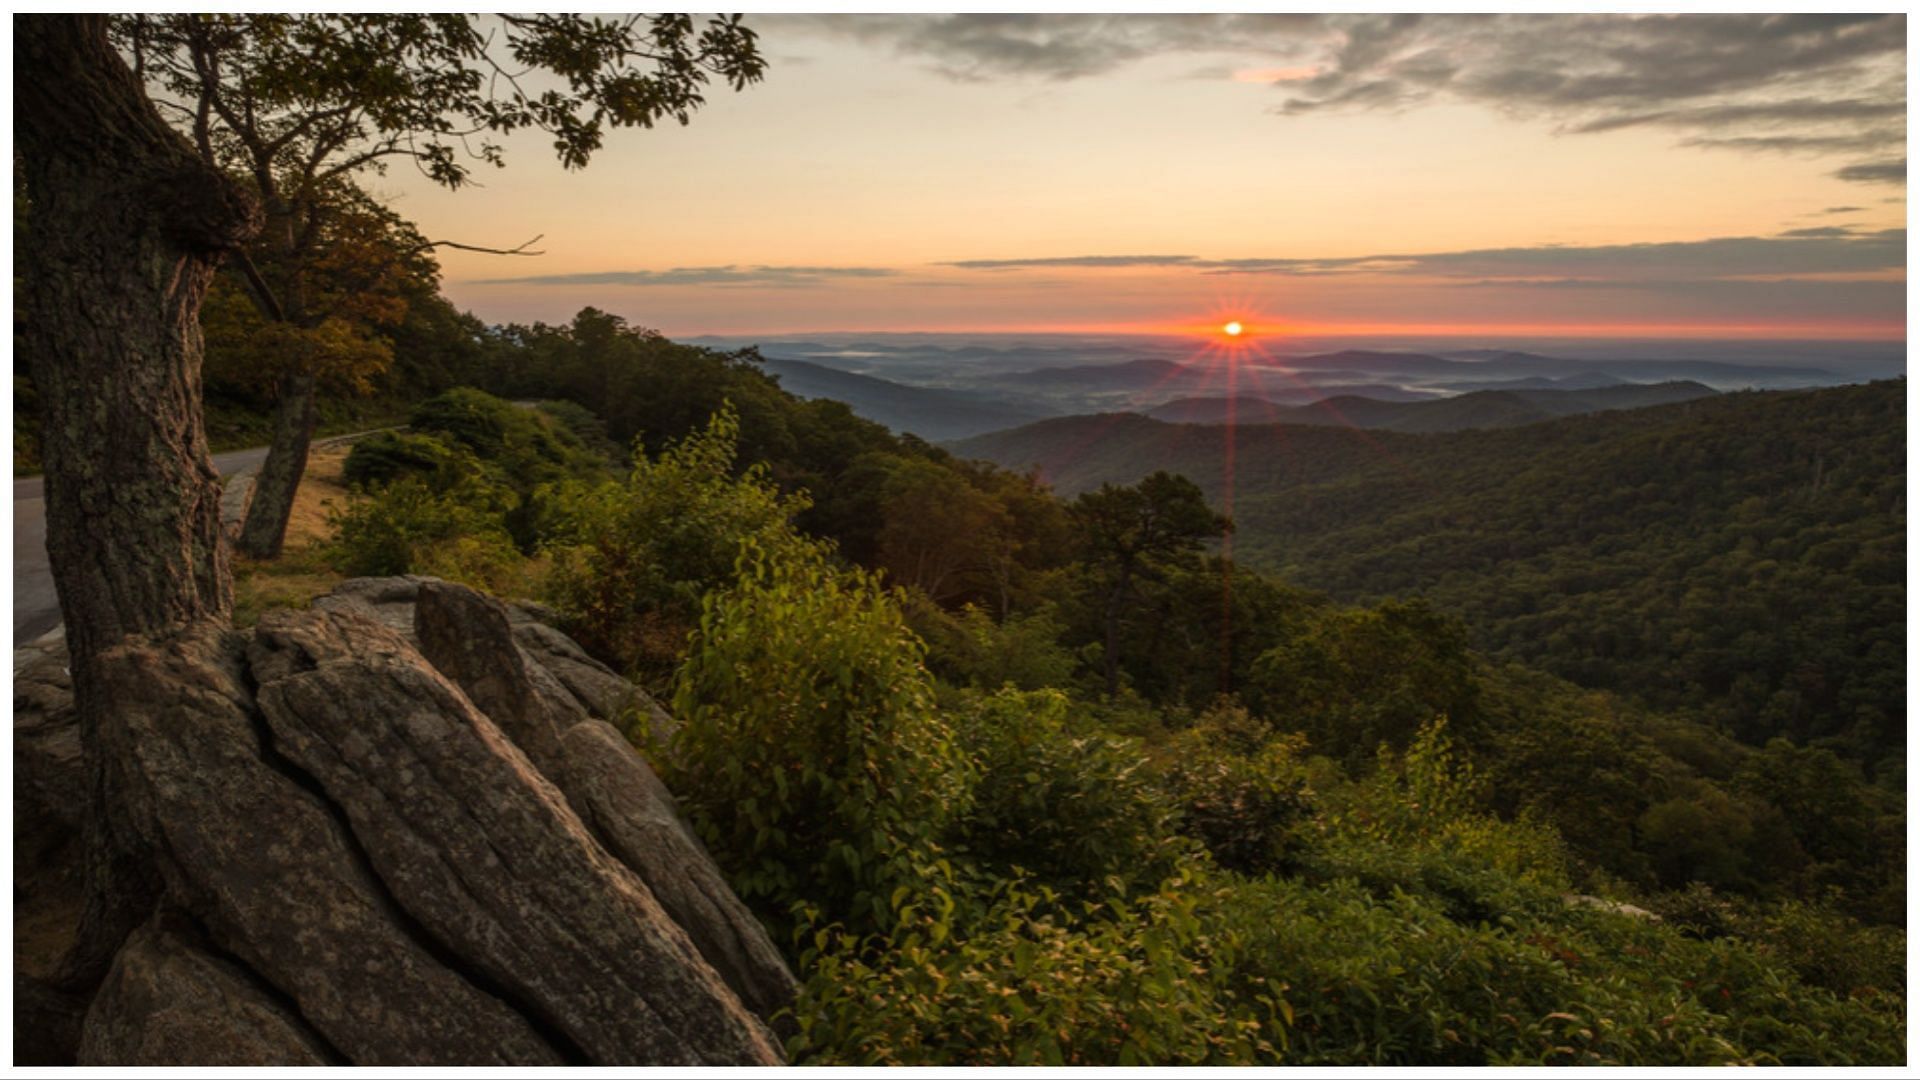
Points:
x=1134 y=533
x=938 y=528
x=298 y=105
x=369 y=271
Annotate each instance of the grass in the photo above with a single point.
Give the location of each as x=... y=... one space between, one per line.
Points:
x=302 y=571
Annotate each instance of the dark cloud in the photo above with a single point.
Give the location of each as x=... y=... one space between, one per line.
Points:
x=762 y=276
x=1811 y=84
x=1775 y=297
x=1073 y=260
x=972 y=48
x=1840 y=251
x=1844 y=210
x=1825 y=250
x=1876 y=172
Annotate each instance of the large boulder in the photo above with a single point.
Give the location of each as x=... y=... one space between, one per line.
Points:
x=483 y=851
x=470 y=639
x=348 y=853
x=599 y=690
x=49 y=796
x=276 y=871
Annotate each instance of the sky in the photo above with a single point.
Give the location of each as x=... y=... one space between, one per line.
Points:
x=1589 y=175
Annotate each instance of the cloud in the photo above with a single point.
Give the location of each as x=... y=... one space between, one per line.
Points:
x=1844 y=210
x=1876 y=172
x=1806 y=84
x=1073 y=260
x=975 y=48
x=1821 y=250
x=1818 y=232
x=784 y=277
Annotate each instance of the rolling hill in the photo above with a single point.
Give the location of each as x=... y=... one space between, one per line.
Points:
x=1479 y=409
x=933 y=413
x=1740 y=557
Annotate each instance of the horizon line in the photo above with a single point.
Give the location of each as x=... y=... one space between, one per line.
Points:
x=1798 y=332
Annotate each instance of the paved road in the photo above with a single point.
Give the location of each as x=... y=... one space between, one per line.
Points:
x=36 y=609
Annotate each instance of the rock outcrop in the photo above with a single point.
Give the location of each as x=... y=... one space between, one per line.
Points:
x=166 y=1002
x=368 y=851
x=470 y=638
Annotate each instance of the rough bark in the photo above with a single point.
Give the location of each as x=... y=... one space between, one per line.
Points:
x=265 y=529
x=124 y=229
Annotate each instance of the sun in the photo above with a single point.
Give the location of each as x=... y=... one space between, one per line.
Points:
x=1233 y=329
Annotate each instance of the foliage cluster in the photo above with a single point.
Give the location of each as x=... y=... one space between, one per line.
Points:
x=467 y=490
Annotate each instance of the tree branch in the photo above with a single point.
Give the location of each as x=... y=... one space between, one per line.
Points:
x=263 y=297
x=521 y=250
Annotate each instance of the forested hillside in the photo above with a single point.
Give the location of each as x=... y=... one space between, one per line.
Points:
x=1461 y=412
x=1739 y=558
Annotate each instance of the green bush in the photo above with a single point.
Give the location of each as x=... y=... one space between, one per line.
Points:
x=809 y=754
x=1242 y=792
x=1059 y=799
x=586 y=427
x=1017 y=982
x=971 y=648
x=633 y=560
x=1353 y=678
x=382 y=458
x=522 y=447
x=408 y=528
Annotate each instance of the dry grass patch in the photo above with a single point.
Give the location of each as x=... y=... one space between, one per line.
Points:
x=301 y=572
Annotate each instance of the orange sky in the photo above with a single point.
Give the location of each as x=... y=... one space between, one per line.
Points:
x=1134 y=172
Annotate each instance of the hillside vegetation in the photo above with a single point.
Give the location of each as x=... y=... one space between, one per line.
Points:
x=1461 y=412
x=1738 y=558
x=1298 y=830
x=1018 y=779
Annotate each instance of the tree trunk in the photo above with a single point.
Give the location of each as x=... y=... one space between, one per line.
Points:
x=124 y=229
x=279 y=477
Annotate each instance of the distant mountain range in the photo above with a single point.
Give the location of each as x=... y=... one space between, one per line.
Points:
x=1497 y=364
x=933 y=413
x=943 y=391
x=1478 y=409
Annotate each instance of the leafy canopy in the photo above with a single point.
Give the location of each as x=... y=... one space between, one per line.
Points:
x=335 y=94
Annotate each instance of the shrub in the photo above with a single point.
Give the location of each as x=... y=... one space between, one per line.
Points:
x=809 y=753
x=1058 y=798
x=407 y=528
x=1242 y=792
x=970 y=648
x=1019 y=983
x=382 y=458
x=1354 y=678
x=632 y=560
x=522 y=447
